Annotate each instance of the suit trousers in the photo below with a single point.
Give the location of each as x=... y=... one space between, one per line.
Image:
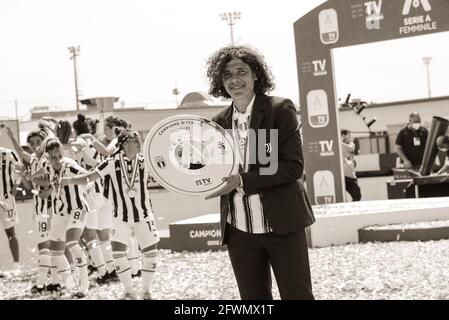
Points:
x=252 y=255
x=353 y=188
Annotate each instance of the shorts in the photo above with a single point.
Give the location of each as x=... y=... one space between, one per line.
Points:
x=100 y=216
x=42 y=227
x=60 y=224
x=42 y=222
x=144 y=231
x=8 y=216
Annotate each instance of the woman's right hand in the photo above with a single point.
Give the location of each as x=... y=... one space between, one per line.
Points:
x=408 y=164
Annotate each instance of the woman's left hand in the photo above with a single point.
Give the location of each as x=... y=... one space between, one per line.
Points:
x=232 y=182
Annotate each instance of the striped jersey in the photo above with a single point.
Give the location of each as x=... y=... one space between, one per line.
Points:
x=131 y=200
x=68 y=198
x=41 y=206
x=90 y=158
x=8 y=161
x=107 y=180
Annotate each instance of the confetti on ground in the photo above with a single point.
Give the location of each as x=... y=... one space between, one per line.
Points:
x=31 y=249
x=411 y=225
x=392 y=270
x=366 y=207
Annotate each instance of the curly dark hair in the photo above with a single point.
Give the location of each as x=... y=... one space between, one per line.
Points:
x=52 y=143
x=81 y=125
x=63 y=131
x=39 y=133
x=125 y=135
x=92 y=124
x=116 y=121
x=217 y=63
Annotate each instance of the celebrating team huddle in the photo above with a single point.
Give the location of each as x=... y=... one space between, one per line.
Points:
x=91 y=205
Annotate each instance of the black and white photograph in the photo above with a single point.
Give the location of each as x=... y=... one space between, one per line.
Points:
x=224 y=150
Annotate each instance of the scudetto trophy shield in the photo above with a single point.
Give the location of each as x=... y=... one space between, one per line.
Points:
x=190 y=154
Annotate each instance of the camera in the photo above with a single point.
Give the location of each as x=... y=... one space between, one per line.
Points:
x=358 y=106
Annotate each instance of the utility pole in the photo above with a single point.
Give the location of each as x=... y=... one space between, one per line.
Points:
x=230 y=18
x=16 y=106
x=427 y=61
x=17 y=109
x=176 y=92
x=74 y=52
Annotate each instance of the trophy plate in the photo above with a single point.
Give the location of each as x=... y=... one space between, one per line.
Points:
x=190 y=154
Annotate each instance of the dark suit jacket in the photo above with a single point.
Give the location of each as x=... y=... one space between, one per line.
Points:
x=283 y=195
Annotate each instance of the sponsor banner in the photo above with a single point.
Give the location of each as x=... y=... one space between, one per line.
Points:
x=324 y=187
x=417 y=17
x=195 y=236
x=318 y=108
x=340 y=23
x=335 y=24
x=328 y=24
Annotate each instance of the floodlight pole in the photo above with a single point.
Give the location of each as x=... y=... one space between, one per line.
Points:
x=230 y=18
x=74 y=52
x=427 y=61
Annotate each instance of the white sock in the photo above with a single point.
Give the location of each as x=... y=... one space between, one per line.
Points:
x=149 y=263
x=97 y=256
x=90 y=261
x=44 y=264
x=107 y=254
x=79 y=257
x=133 y=255
x=54 y=272
x=123 y=271
x=75 y=274
x=64 y=270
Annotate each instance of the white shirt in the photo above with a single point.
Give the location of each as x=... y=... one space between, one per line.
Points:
x=240 y=126
x=246 y=211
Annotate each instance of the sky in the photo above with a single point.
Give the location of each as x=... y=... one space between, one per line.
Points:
x=139 y=50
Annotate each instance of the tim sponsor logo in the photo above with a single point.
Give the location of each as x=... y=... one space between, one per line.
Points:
x=319 y=67
x=373 y=10
x=203 y=182
x=326 y=148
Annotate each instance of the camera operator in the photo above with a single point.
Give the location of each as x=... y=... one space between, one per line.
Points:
x=411 y=141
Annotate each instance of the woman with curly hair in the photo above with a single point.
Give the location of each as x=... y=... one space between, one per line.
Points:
x=264 y=210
